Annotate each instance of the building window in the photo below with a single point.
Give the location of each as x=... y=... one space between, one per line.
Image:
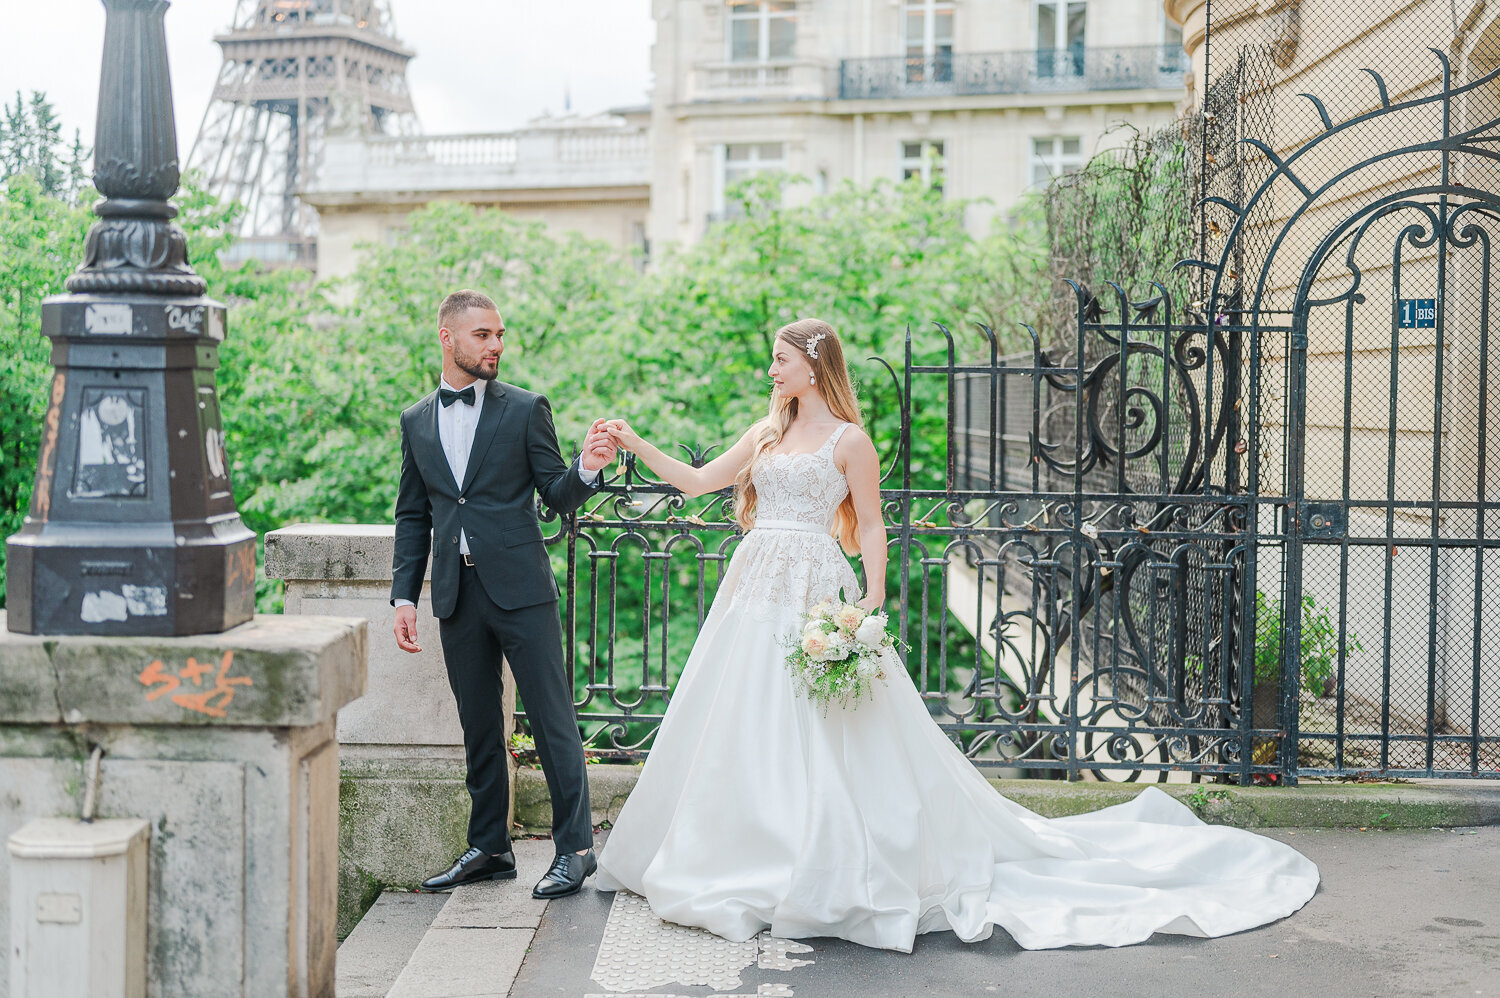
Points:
x=1171 y=34
x=1060 y=37
x=1053 y=157
x=741 y=160
x=762 y=30
x=1174 y=58
x=923 y=159
x=929 y=41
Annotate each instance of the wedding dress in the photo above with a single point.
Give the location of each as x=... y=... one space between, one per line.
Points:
x=756 y=810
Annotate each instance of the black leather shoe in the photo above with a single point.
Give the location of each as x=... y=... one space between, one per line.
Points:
x=476 y=864
x=566 y=875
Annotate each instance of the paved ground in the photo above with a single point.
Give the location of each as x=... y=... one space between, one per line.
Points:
x=1399 y=913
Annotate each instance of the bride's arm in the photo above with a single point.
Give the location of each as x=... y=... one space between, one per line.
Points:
x=716 y=474
x=861 y=466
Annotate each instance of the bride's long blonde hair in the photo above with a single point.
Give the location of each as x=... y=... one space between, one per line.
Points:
x=834 y=385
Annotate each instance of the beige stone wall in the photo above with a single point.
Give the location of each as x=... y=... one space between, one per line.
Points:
x=373 y=219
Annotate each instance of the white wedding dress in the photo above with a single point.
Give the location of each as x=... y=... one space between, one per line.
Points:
x=755 y=810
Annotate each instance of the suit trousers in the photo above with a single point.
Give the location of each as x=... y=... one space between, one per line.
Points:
x=475 y=638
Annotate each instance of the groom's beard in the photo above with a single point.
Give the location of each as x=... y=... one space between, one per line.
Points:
x=476 y=367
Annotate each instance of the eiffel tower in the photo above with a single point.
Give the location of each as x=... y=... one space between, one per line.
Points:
x=293 y=70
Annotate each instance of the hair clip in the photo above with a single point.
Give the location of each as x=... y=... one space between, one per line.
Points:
x=812 y=344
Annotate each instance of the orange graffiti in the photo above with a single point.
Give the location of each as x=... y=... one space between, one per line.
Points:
x=194 y=672
x=153 y=674
x=46 y=466
x=241 y=570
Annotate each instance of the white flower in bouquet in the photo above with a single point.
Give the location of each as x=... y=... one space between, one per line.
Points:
x=847 y=617
x=871 y=631
x=821 y=611
x=815 y=643
x=868 y=666
x=839 y=646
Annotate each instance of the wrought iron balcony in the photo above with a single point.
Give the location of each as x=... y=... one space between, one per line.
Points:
x=1138 y=67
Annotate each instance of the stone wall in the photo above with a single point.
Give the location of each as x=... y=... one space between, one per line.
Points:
x=224 y=744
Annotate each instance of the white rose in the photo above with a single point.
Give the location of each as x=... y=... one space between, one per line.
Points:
x=815 y=643
x=871 y=632
x=847 y=617
x=839 y=646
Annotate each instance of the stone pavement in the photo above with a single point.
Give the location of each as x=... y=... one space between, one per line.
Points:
x=1411 y=912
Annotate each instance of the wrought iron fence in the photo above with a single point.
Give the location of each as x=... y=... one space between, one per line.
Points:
x=1218 y=537
x=1029 y=71
x=1063 y=538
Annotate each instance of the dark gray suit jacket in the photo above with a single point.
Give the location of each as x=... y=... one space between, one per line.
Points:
x=514 y=457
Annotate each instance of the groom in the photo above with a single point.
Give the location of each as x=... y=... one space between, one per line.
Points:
x=474 y=454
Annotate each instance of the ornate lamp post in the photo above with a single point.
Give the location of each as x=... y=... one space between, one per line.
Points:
x=133 y=527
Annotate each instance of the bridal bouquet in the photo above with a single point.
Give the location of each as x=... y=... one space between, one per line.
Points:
x=839 y=653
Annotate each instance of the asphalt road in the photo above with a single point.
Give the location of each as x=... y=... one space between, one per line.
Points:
x=1399 y=913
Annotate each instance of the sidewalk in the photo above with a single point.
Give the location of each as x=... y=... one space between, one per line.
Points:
x=1402 y=910
x=1405 y=913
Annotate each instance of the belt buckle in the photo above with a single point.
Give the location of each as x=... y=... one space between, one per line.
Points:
x=468 y=560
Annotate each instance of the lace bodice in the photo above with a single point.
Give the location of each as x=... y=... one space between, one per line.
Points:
x=805 y=488
x=789 y=560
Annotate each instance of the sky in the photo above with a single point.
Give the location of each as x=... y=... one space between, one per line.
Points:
x=481 y=65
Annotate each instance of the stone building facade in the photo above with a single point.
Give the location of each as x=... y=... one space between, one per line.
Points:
x=985 y=98
x=989 y=98
x=585 y=174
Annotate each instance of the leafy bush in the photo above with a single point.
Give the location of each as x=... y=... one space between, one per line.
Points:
x=1320 y=644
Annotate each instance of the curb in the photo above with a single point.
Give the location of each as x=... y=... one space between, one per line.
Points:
x=1428 y=804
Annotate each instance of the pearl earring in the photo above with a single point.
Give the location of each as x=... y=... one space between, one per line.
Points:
x=812 y=379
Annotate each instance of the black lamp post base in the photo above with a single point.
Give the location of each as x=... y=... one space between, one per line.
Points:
x=65 y=585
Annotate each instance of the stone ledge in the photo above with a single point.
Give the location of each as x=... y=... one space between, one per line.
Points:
x=1451 y=804
x=274 y=671
x=609 y=786
x=331 y=551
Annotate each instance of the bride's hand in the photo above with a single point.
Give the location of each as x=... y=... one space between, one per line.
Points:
x=871 y=604
x=620 y=432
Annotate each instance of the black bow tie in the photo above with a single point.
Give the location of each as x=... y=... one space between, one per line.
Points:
x=448 y=396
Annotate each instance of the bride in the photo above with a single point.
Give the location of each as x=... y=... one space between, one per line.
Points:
x=757 y=810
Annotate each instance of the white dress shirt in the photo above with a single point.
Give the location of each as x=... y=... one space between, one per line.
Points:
x=456 y=425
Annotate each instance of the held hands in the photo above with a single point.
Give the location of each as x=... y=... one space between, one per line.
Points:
x=406 y=629
x=622 y=435
x=598 y=447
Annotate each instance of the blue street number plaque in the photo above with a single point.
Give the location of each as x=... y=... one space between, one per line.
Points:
x=1418 y=313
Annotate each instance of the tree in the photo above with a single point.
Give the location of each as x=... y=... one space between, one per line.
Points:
x=30 y=140
x=43 y=239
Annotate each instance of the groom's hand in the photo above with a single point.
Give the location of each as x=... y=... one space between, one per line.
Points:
x=406 y=629
x=598 y=448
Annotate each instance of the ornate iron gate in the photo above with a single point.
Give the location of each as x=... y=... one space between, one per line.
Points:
x=1246 y=537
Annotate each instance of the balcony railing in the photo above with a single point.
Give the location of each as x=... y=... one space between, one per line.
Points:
x=472 y=149
x=538 y=157
x=1140 y=67
x=785 y=79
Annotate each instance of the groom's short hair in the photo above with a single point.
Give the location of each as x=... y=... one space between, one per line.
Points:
x=461 y=301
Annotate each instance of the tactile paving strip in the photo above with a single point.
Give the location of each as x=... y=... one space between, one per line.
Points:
x=775 y=953
x=640 y=952
x=764 y=991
